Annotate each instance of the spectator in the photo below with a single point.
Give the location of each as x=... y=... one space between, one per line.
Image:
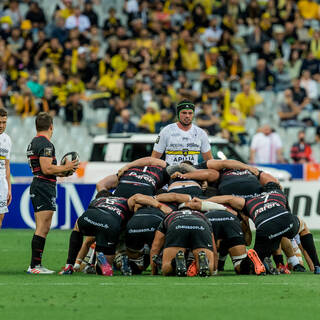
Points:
x=78 y=21
x=111 y=24
x=289 y=110
x=165 y=119
x=49 y=103
x=74 y=109
x=294 y=64
x=36 y=15
x=59 y=30
x=282 y=79
x=24 y=102
x=89 y=12
x=247 y=100
x=190 y=58
x=300 y=95
x=263 y=77
x=266 y=147
x=308 y=9
x=310 y=85
x=123 y=124
x=14 y=13
x=148 y=121
x=212 y=34
x=301 y=151
x=117 y=105
x=208 y=120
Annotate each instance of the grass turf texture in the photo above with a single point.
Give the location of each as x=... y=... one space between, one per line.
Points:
x=228 y=296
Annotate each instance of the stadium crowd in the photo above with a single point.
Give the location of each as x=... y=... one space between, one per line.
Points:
x=241 y=62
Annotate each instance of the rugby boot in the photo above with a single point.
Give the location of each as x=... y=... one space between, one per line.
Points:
x=181 y=267
x=192 y=269
x=316 y=269
x=103 y=265
x=259 y=268
x=204 y=270
x=89 y=269
x=39 y=269
x=270 y=269
x=125 y=267
x=298 y=268
x=68 y=269
x=283 y=269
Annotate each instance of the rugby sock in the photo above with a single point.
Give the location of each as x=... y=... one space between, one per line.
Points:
x=278 y=258
x=245 y=266
x=308 y=244
x=75 y=244
x=37 y=246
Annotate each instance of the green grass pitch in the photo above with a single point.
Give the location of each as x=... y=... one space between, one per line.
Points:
x=80 y=296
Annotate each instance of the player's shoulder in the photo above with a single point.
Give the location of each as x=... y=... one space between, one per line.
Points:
x=199 y=130
x=5 y=138
x=168 y=128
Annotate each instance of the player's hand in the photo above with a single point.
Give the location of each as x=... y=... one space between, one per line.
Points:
x=9 y=197
x=254 y=170
x=165 y=209
x=177 y=174
x=71 y=165
x=195 y=199
x=122 y=171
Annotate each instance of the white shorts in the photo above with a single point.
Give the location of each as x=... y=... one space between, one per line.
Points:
x=3 y=195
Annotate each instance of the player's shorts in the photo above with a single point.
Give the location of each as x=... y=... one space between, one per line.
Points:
x=226 y=227
x=189 y=233
x=193 y=191
x=127 y=190
x=270 y=231
x=141 y=229
x=43 y=195
x=103 y=226
x=3 y=195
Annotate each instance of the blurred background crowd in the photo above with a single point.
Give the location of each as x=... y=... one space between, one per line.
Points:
x=252 y=67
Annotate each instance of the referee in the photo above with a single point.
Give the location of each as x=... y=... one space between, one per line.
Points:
x=183 y=140
x=43 y=163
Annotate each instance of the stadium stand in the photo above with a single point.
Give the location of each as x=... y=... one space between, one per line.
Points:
x=139 y=51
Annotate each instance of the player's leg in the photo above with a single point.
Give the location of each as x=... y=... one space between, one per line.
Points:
x=1 y=219
x=204 y=261
x=173 y=261
x=307 y=243
x=292 y=259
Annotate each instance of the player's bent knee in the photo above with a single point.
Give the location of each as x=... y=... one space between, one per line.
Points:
x=167 y=269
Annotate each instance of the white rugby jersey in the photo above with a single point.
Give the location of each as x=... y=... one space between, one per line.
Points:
x=179 y=145
x=5 y=148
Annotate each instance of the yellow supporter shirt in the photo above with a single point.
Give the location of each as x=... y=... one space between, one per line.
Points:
x=109 y=81
x=190 y=60
x=308 y=10
x=246 y=103
x=118 y=63
x=149 y=120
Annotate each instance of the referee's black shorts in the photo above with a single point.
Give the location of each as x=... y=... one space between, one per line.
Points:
x=43 y=195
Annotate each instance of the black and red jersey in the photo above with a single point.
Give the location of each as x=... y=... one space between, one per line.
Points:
x=181 y=215
x=239 y=183
x=149 y=176
x=267 y=203
x=41 y=146
x=117 y=206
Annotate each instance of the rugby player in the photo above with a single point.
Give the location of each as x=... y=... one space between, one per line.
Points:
x=105 y=217
x=272 y=218
x=182 y=140
x=148 y=214
x=43 y=163
x=5 y=183
x=181 y=230
x=144 y=176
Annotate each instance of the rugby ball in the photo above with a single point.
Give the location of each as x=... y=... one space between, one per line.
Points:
x=70 y=156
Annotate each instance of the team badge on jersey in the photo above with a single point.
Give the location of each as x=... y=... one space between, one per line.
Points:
x=48 y=152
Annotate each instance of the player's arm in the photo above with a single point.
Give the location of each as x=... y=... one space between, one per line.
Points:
x=230 y=164
x=51 y=169
x=245 y=226
x=156 y=154
x=142 y=162
x=157 y=245
x=207 y=155
x=9 y=196
x=235 y=202
x=107 y=183
x=143 y=200
x=209 y=175
x=265 y=178
x=173 y=197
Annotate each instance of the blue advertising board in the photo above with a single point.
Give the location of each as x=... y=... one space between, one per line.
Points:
x=72 y=201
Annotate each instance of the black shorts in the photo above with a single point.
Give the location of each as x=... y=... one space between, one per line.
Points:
x=226 y=227
x=189 y=233
x=141 y=229
x=43 y=195
x=270 y=232
x=105 y=227
x=127 y=190
x=193 y=191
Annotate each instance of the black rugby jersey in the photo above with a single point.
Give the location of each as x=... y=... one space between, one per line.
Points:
x=182 y=215
x=117 y=206
x=149 y=176
x=239 y=183
x=266 y=204
x=41 y=146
